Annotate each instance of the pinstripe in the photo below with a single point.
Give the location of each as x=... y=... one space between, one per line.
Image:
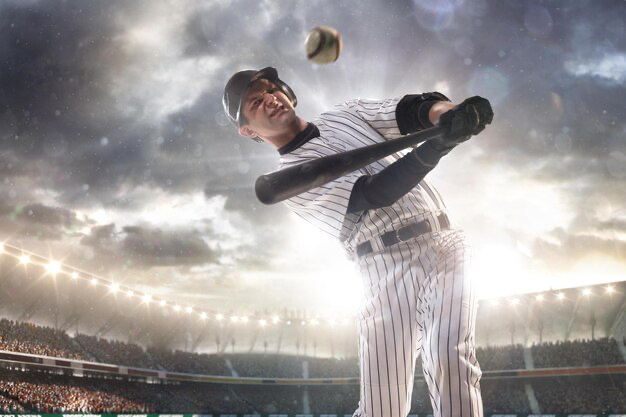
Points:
x=392 y=317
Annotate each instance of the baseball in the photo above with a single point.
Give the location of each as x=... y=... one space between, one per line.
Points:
x=323 y=45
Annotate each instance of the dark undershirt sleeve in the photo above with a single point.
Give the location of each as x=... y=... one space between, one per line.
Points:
x=389 y=185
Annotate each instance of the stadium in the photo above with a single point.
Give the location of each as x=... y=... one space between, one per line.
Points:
x=147 y=269
x=556 y=352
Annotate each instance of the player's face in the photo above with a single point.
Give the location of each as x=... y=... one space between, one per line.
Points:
x=267 y=109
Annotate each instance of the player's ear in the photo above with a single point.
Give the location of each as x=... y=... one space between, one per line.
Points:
x=247 y=132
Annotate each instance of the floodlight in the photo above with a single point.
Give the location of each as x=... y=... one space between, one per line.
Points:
x=24 y=259
x=53 y=267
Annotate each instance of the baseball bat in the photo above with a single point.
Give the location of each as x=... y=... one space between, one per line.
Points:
x=280 y=185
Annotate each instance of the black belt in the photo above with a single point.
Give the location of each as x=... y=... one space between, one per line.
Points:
x=404 y=233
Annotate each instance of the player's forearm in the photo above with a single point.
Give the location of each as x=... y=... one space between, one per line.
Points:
x=389 y=185
x=438 y=109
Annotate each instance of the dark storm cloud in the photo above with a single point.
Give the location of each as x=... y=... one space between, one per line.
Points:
x=142 y=247
x=39 y=221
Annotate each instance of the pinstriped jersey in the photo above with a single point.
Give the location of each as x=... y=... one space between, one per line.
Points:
x=350 y=125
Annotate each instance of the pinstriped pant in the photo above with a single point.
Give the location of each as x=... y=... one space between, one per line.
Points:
x=420 y=300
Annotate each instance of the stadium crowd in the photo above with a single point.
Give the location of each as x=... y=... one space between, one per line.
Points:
x=38 y=391
x=30 y=338
x=54 y=397
x=37 y=340
x=602 y=351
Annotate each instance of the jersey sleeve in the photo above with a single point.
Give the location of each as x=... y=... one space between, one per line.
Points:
x=326 y=207
x=379 y=114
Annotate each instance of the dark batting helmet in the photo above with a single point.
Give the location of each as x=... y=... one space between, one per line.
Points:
x=236 y=87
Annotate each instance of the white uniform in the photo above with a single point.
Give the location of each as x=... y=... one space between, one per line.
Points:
x=419 y=295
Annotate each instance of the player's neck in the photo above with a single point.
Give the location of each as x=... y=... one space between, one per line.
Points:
x=284 y=137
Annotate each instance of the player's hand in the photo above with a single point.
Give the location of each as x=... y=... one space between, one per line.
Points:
x=467 y=119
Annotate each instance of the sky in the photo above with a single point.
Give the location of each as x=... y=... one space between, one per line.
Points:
x=116 y=156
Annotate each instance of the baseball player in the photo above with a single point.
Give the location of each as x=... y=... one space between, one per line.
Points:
x=393 y=223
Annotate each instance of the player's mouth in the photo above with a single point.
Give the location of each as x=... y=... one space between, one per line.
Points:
x=279 y=109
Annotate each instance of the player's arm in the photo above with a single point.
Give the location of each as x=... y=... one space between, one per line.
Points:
x=389 y=185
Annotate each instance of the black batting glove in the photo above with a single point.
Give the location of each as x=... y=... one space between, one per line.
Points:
x=467 y=119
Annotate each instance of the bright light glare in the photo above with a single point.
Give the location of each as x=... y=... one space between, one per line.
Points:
x=560 y=296
x=587 y=292
x=244 y=319
x=189 y=309
x=115 y=287
x=219 y=317
x=177 y=307
x=234 y=319
x=275 y=319
x=203 y=316
x=74 y=275
x=162 y=303
x=129 y=293
x=539 y=297
x=515 y=301
x=263 y=323
x=94 y=281
x=1 y=247
x=314 y=322
x=54 y=267
x=609 y=289
x=147 y=298
x=24 y=259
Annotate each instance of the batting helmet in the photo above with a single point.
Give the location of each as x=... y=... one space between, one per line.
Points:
x=236 y=87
